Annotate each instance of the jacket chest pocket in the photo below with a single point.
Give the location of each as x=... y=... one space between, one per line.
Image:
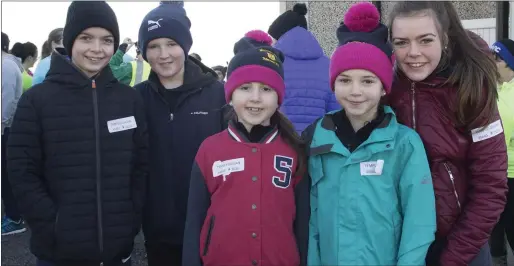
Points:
x=203 y=123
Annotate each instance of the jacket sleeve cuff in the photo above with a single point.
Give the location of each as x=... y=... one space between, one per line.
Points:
x=123 y=47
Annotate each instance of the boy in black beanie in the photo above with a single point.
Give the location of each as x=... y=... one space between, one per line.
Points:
x=78 y=150
x=185 y=104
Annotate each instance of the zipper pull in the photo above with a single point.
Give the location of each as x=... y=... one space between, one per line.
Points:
x=171 y=116
x=93 y=84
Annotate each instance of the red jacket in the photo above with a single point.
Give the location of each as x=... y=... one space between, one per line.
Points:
x=469 y=176
x=248 y=216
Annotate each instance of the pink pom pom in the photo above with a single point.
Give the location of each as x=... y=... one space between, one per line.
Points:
x=362 y=17
x=259 y=36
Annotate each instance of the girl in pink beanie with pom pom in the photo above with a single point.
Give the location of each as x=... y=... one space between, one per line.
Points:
x=248 y=200
x=372 y=199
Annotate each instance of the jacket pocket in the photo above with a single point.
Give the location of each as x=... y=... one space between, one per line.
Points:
x=209 y=234
x=452 y=180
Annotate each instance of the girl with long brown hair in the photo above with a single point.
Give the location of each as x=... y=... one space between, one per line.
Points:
x=445 y=89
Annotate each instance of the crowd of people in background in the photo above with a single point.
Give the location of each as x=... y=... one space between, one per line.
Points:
x=397 y=149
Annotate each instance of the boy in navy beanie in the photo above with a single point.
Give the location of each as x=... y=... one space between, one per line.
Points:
x=185 y=105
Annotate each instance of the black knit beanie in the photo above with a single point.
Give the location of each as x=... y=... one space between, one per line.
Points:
x=289 y=20
x=83 y=15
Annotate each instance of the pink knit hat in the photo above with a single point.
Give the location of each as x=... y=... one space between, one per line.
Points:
x=363 y=45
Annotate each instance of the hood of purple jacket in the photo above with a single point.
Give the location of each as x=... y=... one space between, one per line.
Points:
x=300 y=44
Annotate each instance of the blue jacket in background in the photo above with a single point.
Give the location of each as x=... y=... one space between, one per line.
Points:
x=308 y=94
x=42 y=68
x=372 y=206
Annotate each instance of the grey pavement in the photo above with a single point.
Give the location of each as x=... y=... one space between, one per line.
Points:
x=15 y=251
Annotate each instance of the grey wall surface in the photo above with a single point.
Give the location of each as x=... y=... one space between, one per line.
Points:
x=324 y=17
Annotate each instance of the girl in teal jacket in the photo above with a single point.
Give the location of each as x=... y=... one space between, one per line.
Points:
x=372 y=199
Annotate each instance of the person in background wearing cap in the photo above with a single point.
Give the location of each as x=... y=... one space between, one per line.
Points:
x=263 y=200
x=308 y=94
x=185 y=104
x=12 y=88
x=129 y=73
x=372 y=168
x=78 y=150
x=503 y=52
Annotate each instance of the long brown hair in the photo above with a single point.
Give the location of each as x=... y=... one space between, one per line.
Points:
x=472 y=69
x=288 y=133
x=45 y=50
x=55 y=36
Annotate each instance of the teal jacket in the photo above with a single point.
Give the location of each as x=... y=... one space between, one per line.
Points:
x=374 y=206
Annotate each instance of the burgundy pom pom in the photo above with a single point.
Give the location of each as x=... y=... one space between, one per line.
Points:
x=259 y=36
x=362 y=17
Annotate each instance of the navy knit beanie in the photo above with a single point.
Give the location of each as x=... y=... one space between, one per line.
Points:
x=166 y=21
x=256 y=61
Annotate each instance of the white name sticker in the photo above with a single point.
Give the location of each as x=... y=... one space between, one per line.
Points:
x=487 y=132
x=372 y=168
x=224 y=168
x=121 y=124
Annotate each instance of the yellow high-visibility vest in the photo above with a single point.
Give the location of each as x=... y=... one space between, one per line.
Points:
x=140 y=72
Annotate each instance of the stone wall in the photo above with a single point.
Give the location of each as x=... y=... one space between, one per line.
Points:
x=324 y=17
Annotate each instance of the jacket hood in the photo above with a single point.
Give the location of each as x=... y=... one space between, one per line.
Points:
x=64 y=72
x=196 y=75
x=14 y=59
x=299 y=43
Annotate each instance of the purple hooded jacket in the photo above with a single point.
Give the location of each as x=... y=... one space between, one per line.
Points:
x=308 y=94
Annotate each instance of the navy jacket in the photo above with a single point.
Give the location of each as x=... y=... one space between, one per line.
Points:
x=176 y=130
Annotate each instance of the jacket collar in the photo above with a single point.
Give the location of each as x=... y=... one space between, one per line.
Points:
x=434 y=80
x=196 y=75
x=239 y=136
x=63 y=71
x=325 y=139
